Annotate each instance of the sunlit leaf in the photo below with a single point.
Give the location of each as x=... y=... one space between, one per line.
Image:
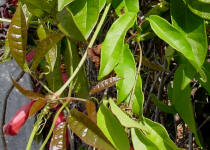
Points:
x=182 y=99
x=91 y=110
x=17 y=37
x=124 y=119
x=27 y=93
x=162 y=106
x=113 y=45
x=44 y=46
x=112 y=128
x=152 y=65
x=63 y=3
x=123 y=6
x=58 y=141
x=126 y=69
x=179 y=41
x=157 y=138
x=138 y=98
x=88 y=131
x=104 y=84
x=71 y=60
x=86 y=13
x=37 y=106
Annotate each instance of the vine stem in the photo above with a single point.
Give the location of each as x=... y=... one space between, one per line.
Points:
x=53 y=125
x=60 y=91
x=137 y=74
x=5 y=20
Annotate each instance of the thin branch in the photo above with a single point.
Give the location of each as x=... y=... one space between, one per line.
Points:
x=5 y=20
x=3 y=115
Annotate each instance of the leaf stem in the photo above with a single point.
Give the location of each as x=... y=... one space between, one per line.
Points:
x=53 y=125
x=60 y=91
x=137 y=74
x=5 y=20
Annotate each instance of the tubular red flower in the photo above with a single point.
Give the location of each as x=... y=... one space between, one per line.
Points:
x=18 y=120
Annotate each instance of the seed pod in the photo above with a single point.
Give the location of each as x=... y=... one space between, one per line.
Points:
x=104 y=84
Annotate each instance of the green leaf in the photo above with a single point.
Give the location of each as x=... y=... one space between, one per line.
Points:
x=206 y=85
x=162 y=106
x=177 y=39
x=44 y=46
x=58 y=140
x=126 y=69
x=27 y=93
x=67 y=24
x=112 y=128
x=141 y=142
x=54 y=79
x=6 y=55
x=86 y=13
x=123 y=6
x=52 y=53
x=157 y=138
x=193 y=29
x=113 y=45
x=101 y=4
x=199 y=8
x=124 y=119
x=63 y=3
x=71 y=60
x=17 y=37
x=138 y=99
x=87 y=130
x=182 y=99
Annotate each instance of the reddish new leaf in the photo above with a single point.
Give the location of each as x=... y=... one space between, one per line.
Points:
x=18 y=120
x=17 y=37
x=37 y=105
x=28 y=93
x=104 y=84
x=88 y=131
x=91 y=110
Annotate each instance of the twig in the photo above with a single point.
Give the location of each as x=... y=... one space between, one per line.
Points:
x=3 y=116
x=204 y=122
x=190 y=141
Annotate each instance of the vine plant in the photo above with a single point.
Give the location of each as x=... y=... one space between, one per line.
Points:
x=63 y=27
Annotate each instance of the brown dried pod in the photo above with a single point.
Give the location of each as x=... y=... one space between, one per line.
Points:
x=104 y=84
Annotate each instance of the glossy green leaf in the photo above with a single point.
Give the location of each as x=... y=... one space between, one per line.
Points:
x=182 y=99
x=63 y=3
x=199 y=8
x=112 y=128
x=205 y=1
x=162 y=106
x=88 y=131
x=71 y=60
x=44 y=46
x=157 y=138
x=91 y=110
x=27 y=93
x=52 y=53
x=101 y=4
x=124 y=119
x=138 y=99
x=37 y=106
x=177 y=39
x=113 y=45
x=206 y=85
x=141 y=142
x=123 y=6
x=126 y=69
x=67 y=24
x=58 y=140
x=193 y=29
x=86 y=13
x=6 y=55
x=17 y=37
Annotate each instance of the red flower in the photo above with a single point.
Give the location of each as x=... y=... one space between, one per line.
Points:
x=18 y=120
